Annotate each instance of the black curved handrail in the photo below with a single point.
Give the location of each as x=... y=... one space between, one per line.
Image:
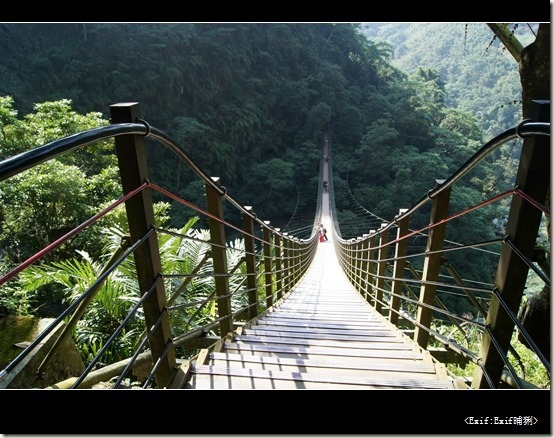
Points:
x=25 y=160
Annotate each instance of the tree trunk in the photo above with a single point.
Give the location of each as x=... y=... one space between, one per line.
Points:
x=534 y=69
x=534 y=72
x=533 y=61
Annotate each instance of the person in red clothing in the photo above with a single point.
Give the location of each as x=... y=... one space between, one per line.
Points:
x=323 y=232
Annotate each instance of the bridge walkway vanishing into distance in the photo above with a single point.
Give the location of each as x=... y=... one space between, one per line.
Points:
x=277 y=310
x=321 y=335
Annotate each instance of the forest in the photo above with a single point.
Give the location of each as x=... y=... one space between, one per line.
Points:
x=403 y=105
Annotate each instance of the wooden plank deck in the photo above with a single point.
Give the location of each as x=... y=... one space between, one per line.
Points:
x=322 y=335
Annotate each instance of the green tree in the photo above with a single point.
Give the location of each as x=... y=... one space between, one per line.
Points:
x=41 y=204
x=274 y=180
x=430 y=94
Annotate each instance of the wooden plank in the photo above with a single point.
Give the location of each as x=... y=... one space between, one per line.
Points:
x=322 y=324
x=330 y=307
x=329 y=371
x=327 y=379
x=337 y=316
x=323 y=362
x=407 y=353
x=320 y=330
x=291 y=332
x=369 y=337
x=371 y=342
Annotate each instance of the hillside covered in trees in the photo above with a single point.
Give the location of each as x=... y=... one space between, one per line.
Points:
x=479 y=74
x=250 y=103
x=255 y=98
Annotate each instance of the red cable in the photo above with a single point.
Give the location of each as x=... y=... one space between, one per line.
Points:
x=66 y=236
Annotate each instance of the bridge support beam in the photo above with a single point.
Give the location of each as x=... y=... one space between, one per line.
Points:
x=131 y=156
x=431 y=265
x=533 y=178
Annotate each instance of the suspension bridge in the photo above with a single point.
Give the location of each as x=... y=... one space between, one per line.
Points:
x=321 y=335
x=290 y=312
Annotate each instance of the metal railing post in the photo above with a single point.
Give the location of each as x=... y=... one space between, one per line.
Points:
x=398 y=268
x=250 y=257
x=219 y=257
x=133 y=169
x=533 y=178
x=431 y=265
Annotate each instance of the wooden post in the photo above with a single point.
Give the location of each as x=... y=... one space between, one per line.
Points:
x=297 y=261
x=267 y=265
x=278 y=265
x=364 y=250
x=133 y=169
x=286 y=263
x=533 y=178
x=250 y=257
x=219 y=257
x=431 y=265
x=398 y=268
x=349 y=260
x=358 y=246
x=370 y=267
x=381 y=267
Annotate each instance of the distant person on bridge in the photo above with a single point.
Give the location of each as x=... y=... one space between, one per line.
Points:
x=322 y=233
x=325 y=185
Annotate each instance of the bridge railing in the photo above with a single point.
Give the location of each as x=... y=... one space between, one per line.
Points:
x=178 y=307
x=412 y=287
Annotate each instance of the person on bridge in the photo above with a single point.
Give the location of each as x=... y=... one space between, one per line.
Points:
x=322 y=233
